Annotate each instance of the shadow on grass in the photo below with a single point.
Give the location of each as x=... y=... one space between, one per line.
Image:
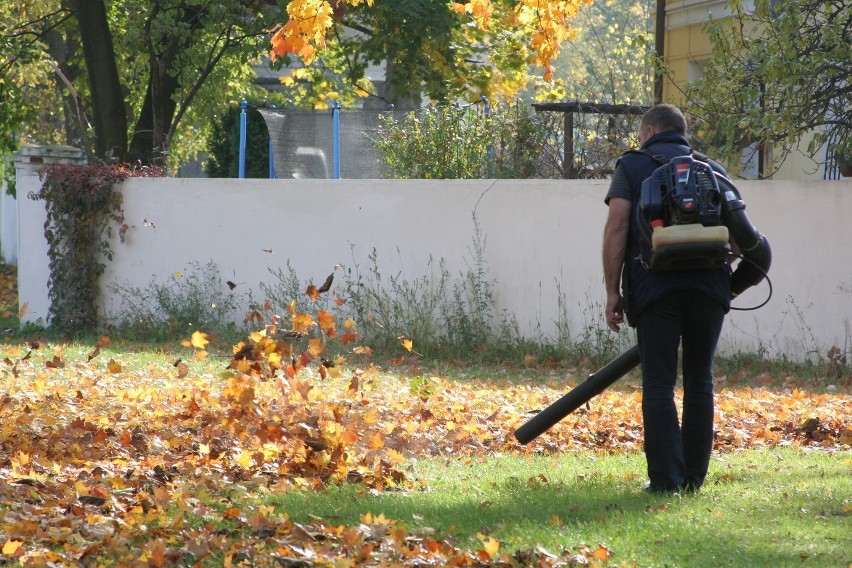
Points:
x=751 y=512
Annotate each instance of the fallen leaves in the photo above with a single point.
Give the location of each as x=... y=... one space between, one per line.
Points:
x=91 y=452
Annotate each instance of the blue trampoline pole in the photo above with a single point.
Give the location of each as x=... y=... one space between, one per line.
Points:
x=271 y=153
x=335 y=118
x=242 y=165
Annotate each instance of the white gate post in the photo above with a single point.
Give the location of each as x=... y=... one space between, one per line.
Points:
x=33 y=262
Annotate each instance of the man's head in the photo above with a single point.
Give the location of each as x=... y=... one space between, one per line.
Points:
x=661 y=118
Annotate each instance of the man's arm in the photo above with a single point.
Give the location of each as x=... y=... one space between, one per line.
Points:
x=614 y=252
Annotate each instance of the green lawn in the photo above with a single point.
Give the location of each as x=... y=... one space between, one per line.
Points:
x=762 y=507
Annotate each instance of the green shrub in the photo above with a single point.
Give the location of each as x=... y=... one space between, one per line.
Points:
x=186 y=301
x=508 y=141
x=224 y=151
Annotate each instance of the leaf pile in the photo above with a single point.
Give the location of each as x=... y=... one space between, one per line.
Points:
x=100 y=462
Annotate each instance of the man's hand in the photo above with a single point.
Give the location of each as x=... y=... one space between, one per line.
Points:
x=614 y=251
x=614 y=312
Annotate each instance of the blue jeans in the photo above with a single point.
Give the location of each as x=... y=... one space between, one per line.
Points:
x=678 y=453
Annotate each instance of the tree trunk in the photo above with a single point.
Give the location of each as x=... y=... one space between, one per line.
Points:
x=398 y=90
x=108 y=112
x=64 y=50
x=150 y=136
x=148 y=144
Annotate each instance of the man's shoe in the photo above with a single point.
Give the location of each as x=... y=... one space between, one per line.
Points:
x=648 y=488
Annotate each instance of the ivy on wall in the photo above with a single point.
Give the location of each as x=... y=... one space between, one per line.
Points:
x=84 y=210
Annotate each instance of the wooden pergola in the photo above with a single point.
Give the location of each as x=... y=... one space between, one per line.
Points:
x=568 y=109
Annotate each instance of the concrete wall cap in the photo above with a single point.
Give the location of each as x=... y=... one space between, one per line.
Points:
x=50 y=154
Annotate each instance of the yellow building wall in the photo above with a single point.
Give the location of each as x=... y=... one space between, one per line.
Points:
x=687 y=46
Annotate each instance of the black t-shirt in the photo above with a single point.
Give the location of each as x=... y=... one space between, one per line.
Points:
x=619 y=186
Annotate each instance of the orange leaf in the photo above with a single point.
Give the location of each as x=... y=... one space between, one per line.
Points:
x=231 y=513
x=602 y=553
x=114 y=367
x=312 y=293
x=377 y=441
x=326 y=321
x=315 y=347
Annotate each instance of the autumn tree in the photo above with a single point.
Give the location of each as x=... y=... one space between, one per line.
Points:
x=443 y=50
x=133 y=73
x=778 y=74
x=609 y=59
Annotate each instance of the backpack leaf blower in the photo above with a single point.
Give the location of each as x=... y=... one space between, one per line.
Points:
x=752 y=269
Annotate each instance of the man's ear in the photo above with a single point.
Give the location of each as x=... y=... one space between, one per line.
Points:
x=647 y=131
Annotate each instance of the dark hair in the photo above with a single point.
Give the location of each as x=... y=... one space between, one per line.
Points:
x=665 y=118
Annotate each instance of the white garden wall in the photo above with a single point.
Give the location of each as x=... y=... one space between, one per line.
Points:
x=543 y=238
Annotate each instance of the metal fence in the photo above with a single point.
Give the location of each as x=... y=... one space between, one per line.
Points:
x=341 y=144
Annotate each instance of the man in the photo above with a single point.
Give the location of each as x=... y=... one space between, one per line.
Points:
x=668 y=309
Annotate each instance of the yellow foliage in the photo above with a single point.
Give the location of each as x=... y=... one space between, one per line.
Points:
x=547 y=24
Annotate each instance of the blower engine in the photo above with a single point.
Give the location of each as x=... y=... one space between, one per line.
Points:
x=680 y=214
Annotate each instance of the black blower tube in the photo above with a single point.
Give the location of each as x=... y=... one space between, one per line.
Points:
x=754 y=246
x=579 y=395
x=755 y=249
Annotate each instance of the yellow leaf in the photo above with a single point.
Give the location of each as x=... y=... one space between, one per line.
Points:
x=490 y=545
x=114 y=367
x=199 y=340
x=244 y=459
x=11 y=547
x=302 y=322
x=370 y=519
x=407 y=344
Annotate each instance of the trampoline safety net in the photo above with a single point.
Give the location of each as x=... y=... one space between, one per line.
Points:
x=303 y=143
